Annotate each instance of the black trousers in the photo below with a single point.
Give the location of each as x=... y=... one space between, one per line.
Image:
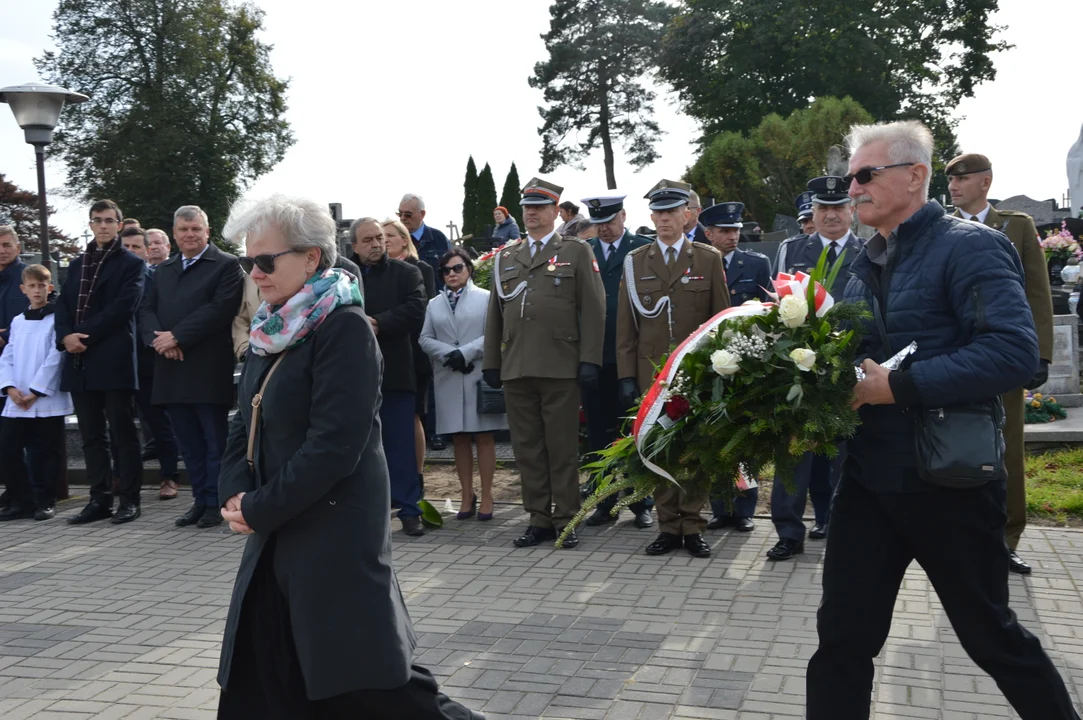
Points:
x=265 y=679
x=957 y=536
x=156 y=424
x=43 y=440
x=605 y=417
x=102 y=413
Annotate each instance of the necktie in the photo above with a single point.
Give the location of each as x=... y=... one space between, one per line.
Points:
x=187 y=264
x=671 y=257
x=833 y=253
x=725 y=264
x=535 y=246
x=608 y=251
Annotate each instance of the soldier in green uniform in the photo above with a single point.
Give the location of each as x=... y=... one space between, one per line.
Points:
x=969 y=177
x=669 y=289
x=543 y=342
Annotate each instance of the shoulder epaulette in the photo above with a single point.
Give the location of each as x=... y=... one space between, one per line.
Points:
x=640 y=249
x=705 y=246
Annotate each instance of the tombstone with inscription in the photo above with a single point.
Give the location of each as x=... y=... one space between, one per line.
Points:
x=1063 y=380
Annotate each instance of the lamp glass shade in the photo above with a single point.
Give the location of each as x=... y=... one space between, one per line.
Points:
x=36 y=105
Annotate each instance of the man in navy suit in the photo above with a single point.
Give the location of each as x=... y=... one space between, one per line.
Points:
x=602 y=404
x=748 y=276
x=431 y=244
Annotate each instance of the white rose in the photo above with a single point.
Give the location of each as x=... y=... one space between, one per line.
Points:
x=724 y=362
x=803 y=358
x=793 y=310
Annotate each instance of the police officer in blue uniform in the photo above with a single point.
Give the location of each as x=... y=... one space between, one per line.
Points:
x=748 y=277
x=804 y=218
x=602 y=404
x=816 y=475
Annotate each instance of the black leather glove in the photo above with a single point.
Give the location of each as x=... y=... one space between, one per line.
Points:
x=455 y=360
x=629 y=393
x=589 y=373
x=492 y=378
x=1040 y=377
x=468 y=369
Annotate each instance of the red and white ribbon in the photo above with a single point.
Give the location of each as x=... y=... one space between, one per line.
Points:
x=797 y=284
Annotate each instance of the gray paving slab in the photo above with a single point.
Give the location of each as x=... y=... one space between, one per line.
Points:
x=124 y=623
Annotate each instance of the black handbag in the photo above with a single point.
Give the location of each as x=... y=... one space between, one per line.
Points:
x=959 y=446
x=490 y=399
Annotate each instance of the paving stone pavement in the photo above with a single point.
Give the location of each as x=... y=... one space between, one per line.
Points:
x=124 y=622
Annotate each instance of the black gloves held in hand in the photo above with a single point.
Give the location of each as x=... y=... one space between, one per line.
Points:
x=492 y=378
x=589 y=373
x=455 y=361
x=1040 y=377
x=629 y=393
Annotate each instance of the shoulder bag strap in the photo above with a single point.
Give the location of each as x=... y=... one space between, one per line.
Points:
x=257 y=403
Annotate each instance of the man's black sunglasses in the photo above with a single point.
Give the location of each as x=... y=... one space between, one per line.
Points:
x=864 y=175
x=266 y=263
x=457 y=268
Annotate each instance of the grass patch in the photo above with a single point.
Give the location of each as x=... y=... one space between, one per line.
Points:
x=1055 y=484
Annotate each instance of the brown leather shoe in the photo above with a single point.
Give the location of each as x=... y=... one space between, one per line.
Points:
x=169 y=490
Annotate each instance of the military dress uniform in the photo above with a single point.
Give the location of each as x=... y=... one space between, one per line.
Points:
x=748 y=277
x=1019 y=227
x=658 y=307
x=545 y=330
x=804 y=212
x=815 y=476
x=602 y=405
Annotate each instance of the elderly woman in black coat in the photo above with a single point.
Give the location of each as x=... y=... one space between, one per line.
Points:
x=317 y=628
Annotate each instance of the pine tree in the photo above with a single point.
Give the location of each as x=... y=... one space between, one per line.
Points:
x=486 y=200
x=470 y=197
x=510 y=196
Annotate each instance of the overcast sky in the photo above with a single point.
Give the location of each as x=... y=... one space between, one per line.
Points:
x=387 y=98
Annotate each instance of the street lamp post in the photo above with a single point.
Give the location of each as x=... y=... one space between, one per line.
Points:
x=37 y=110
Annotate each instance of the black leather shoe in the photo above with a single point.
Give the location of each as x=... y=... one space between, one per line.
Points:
x=45 y=513
x=744 y=525
x=15 y=512
x=600 y=517
x=150 y=453
x=212 y=517
x=644 y=519
x=785 y=549
x=818 y=532
x=697 y=546
x=437 y=443
x=126 y=513
x=665 y=543
x=535 y=536
x=572 y=541
x=91 y=513
x=192 y=516
x=717 y=523
x=1016 y=564
x=411 y=525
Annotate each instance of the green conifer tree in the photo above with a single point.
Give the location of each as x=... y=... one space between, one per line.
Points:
x=486 y=200
x=470 y=197
x=510 y=195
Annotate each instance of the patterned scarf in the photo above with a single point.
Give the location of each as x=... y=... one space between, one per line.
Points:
x=288 y=325
x=454 y=295
x=93 y=259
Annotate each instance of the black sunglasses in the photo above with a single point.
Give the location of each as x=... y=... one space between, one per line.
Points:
x=447 y=270
x=265 y=263
x=864 y=175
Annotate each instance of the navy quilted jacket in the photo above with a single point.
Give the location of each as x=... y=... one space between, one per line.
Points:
x=956 y=287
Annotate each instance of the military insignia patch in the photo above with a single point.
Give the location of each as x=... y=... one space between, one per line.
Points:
x=731 y=208
x=595 y=203
x=831 y=183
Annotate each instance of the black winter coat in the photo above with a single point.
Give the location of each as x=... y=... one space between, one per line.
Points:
x=321 y=487
x=109 y=362
x=198 y=306
x=394 y=295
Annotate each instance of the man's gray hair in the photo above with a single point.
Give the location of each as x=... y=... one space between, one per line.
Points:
x=304 y=223
x=191 y=212
x=416 y=198
x=9 y=230
x=156 y=231
x=908 y=141
x=358 y=223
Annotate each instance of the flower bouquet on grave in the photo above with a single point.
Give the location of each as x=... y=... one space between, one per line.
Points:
x=1040 y=408
x=759 y=383
x=483 y=268
x=1062 y=246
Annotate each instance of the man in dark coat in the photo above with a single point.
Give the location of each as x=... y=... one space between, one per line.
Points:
x=431 y=244
x=95 y=324
x=395 y=302
x=12 y=301
x=693 y=228
x=602 y=404
x=188 y=319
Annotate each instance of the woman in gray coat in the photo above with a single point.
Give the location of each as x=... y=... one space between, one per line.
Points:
x=317 y=628
x=454 y=337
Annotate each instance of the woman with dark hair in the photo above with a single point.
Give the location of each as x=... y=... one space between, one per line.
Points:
x=317 y=628
x=454 y=338
x=506 y=228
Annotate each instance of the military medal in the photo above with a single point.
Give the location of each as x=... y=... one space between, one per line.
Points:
x=684 y=280
x=552 y=264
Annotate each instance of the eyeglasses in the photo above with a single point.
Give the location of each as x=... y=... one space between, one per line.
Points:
x=404 y=215
x=457 y=268
x=103 y=221
x=266 y=263
x=864 y=175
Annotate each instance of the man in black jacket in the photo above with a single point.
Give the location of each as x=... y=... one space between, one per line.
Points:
x=395 y=304
x=431 y=244
x=95 y=324
x=187 y=318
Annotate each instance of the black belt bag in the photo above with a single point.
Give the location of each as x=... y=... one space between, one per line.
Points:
x=959 y=446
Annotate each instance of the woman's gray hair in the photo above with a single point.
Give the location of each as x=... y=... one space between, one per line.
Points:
x=304 y=223
x=908 y=141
